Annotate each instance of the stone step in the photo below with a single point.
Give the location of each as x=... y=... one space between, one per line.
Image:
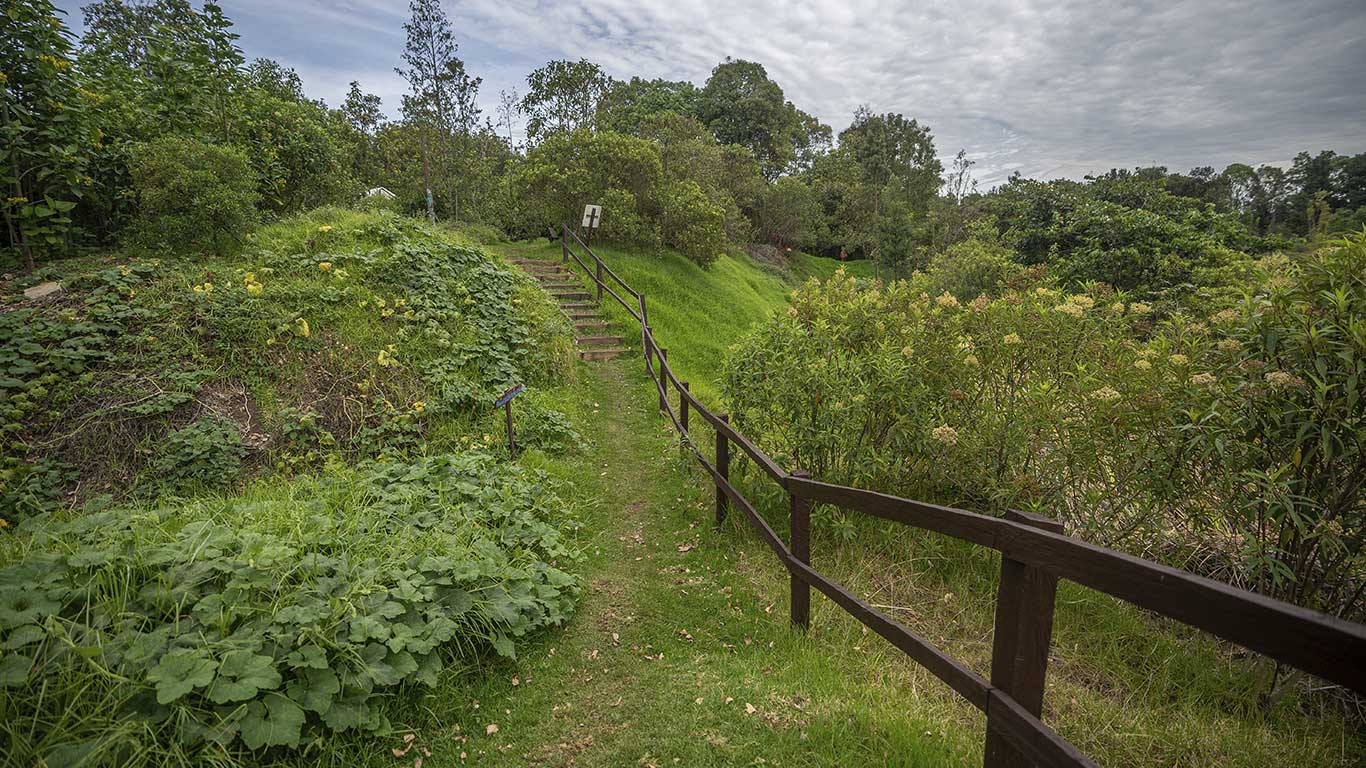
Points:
x=600 y=354
x=598 y=340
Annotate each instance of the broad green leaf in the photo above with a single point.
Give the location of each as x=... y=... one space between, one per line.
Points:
x=181 y=672
x=315 y=689
x=274 y=721
x=14 y=669
x=241 y=675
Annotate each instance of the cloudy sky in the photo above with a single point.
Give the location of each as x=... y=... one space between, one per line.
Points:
x=1048 y=89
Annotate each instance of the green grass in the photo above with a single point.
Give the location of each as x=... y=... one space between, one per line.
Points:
x=696 y=313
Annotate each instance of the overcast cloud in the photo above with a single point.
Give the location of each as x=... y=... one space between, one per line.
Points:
x=1048 y=89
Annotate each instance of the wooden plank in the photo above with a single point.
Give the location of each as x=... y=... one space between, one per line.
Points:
x=1023 y=633
x=970 y=685
x=1041 y=744
x=800 y=527
x=683 y=406
x=1324 y=645
x=722 y=471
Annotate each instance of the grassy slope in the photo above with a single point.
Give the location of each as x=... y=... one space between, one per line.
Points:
x=1125 y=688
x=697 y=312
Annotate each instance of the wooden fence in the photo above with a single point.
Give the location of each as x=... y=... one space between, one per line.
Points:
x=1034 y=555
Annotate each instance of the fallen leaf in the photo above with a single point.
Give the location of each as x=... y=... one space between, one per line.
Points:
x=697 y=700
x=491 y=729
x=515 y=681
x=749 y=708
x=729 y=699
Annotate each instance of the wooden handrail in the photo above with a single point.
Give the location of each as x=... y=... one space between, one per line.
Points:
x=1034 y=554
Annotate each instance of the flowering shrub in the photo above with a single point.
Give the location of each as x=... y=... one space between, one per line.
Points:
x=1232 y=444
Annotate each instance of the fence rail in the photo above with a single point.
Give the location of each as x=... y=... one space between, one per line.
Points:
x=1035 y=554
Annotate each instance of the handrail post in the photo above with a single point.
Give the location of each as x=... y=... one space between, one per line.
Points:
x=644 y=326
x=800 y=509
x=1025 y=599
x=564 y=243
x=722 y=469
x=663 y=381
x=599 y=265
x=683 y=406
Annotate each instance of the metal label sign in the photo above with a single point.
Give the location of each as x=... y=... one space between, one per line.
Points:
x=592 y=216
x=508 y=395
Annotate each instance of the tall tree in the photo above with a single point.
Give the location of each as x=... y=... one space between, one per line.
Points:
x=507 y=111
x=362 y=113
x=563 y=96
x=628 y=105
x=441 y=98
x=741 y=105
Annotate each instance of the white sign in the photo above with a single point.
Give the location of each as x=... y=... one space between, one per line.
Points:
x=592 y=216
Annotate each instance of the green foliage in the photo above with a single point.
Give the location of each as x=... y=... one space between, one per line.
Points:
x=741 y=105
x=569 y=170
x=228 y=627
x=563 y=96
x=205 y=454
x=690 y=223
x=971 y=268
x=44 y=130
x=787 y=213
x=1227 y=443
x=192 y=195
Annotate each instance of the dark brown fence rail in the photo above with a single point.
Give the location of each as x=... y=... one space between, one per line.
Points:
x=1034 y=555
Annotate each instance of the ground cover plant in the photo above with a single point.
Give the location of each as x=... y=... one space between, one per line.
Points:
x=202 y=631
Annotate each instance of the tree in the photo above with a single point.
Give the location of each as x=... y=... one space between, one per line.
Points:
x=788 y=213
x=442 y=96
x=362 y=113
x=628 y=105
x=895 y=153
x=275 y=79
x=43 y=129
x=959 y=183
x=741 y=105
x=507 y=111
x=563 y=96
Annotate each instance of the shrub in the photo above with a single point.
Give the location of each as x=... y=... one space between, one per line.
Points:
x=192 y=195
x=1230 y=444
x=970 y=269
x=690 y=223
x=205 y=454
x=226 y=626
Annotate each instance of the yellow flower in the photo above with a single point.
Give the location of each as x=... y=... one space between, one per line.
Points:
x=945 y=434
x=1229 y=345
x=419 y=406
x=946 y=300
x=1081 y=300
x=906 y=351
x=1178 y=359
x=301 y=327
x=386 y=313
x=17 y=200
x=379 y=303
x=254 y=289
x=1069 y=308
x=1139 y=308
x=791 y=311
x=1204 y=380
x=324 y=265
x=970 y=360
x=1011 y=339
x=1143 y=365
x=408 y=314
x=325 y=228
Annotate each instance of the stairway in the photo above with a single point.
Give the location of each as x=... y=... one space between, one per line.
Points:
x=590 y=328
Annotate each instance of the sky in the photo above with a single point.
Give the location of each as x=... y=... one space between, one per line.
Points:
x=1046 y=89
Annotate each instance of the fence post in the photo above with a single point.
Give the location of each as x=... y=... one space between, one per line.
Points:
x=564 y=244
x=599 y=265
x=663 y=382
x=1024 y=630
x=723 y=469
x=801 y=550
x=683 y=406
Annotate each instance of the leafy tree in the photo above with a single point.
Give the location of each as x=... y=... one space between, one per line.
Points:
x=269 y=76
x=741 y=105
x=43 y=129
x=628 y=105
x=788 y=213
x=563 y=96
x=690 y=223
x=895 y=153
x=566 y=171
x=191 y=194
x=362 y=112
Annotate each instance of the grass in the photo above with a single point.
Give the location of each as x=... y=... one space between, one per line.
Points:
x=680 y=651
x=697 y=313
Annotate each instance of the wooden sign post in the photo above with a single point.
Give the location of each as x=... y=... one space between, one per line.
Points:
x=505 y=402
x=592 y=217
